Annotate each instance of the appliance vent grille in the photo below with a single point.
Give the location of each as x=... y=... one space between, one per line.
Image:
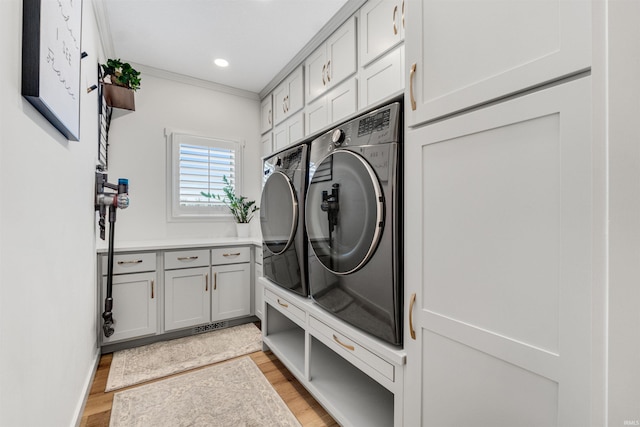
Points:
x=210 y=327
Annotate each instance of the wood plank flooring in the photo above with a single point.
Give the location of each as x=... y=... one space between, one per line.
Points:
x=308 y=411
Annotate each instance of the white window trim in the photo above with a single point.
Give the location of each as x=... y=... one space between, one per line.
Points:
x=175 y=213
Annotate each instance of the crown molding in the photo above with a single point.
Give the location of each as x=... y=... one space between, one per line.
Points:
x=193 y=81
x=345 y=12
x=104 y=28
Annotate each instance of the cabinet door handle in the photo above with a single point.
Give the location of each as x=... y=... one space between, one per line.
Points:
x=324 y=69
x=283 y=304
x=187 y=258
x=137 y=261
x=206 y=282
x=403 y=14
x=152 y=289
x=234 y=254
x=284 y=105
x=347 y=346
x=412 y=74
x=412 y=332
x=328 y=71
x=393 y=19
x=269 y=118
x=215 y=281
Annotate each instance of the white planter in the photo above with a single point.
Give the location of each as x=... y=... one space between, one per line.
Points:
x=243 y=229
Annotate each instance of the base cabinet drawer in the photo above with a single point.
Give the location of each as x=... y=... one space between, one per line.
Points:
x=285 y=306
x=233 y=255
x=186 y=259
x=342 y=344
x=130 y=263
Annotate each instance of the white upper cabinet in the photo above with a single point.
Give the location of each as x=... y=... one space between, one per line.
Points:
x=288 y=132
x=332 y=62
x=332 y=107
x=288 y=97
x=461 y=54
x=381 y=28
x=266 y=114
x=382 y=78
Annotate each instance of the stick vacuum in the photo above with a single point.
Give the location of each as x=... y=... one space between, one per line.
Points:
x=119 y=199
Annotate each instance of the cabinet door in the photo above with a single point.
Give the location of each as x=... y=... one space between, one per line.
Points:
x=134 y=306
x=266 y=144
x=341 y=53
x=266 y=114
x=467 y=53
x=316 y=69
x=295 y=128
x=342 y=101
x=382 y=78
x=288 y=97
x=381 y=28
x=498 y=264
x=316 y=115
x=186 y=298
x=258 y=299
x=231 y=295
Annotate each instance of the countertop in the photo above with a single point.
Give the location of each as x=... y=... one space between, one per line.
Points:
x=151 y=245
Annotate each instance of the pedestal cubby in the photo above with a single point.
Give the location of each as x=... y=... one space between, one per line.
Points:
x=357 y=378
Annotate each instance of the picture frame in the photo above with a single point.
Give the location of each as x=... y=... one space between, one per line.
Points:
x=51 y=55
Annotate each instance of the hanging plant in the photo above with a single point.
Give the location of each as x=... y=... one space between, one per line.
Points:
x=121 y=74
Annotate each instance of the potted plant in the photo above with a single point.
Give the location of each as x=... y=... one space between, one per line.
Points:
x=241 y=208
x=119 y=81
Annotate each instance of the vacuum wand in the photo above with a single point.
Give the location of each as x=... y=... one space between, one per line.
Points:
x=120 y=199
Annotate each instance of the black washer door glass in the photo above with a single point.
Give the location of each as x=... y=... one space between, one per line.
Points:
x=344 y=212
x=278 y=213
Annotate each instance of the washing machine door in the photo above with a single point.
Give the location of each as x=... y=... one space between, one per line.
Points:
x=278 y=213
x=344 y=211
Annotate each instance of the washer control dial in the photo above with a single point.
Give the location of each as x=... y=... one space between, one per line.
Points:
x=337 y=137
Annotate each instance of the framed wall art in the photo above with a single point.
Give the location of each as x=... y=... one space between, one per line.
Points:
x=51 y=54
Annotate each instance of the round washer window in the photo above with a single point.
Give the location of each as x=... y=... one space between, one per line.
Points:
x=278 y=213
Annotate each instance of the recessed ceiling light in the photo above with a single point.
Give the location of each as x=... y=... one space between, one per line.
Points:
x=221 y=62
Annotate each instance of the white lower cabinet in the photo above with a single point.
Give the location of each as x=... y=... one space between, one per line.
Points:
x=231 y=292
x=499 y=276
x=355 y=377
x=186 y=298
x=134 y=306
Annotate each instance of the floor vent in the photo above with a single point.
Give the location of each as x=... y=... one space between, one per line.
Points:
x=210 y=327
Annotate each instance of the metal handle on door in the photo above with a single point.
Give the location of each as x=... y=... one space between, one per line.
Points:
x=412 y=74
x=393 y=19
x=206 y=282
x=324 y=68
x=412 y=332
x=328 y=71
x=215 y=281
x=187 y=258
x=152 y=289
x=403 y=14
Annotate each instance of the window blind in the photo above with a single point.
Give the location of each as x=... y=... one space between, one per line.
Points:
x=201 y=169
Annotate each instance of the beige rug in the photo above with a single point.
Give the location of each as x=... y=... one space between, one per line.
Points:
x=233 y=393
x=137 y=365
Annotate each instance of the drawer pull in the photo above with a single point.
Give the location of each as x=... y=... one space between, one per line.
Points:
x=283 y=304
x=412 y=332
x=235 y=254
x=137 y=261
x=347 y=346
x=187 y=258
x=152 y=289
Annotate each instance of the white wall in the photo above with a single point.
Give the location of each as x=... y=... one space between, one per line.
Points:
x=47 y=263
x=137 y=151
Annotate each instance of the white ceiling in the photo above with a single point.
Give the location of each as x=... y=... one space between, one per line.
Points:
x=258 y=37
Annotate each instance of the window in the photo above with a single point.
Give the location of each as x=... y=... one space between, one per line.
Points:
x=198 y=164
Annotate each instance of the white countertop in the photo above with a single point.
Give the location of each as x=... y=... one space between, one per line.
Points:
x=151 y=245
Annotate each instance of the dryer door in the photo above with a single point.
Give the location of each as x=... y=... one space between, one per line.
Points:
x=278 y=213
x=344 y=211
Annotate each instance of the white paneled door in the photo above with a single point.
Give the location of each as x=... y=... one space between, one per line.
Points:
x=498 y=264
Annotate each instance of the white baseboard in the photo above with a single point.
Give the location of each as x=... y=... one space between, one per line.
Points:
x=87 y=388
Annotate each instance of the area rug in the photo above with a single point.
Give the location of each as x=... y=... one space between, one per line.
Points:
x=233 y=393
x=140 y=364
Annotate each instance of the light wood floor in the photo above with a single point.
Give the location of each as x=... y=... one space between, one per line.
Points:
x=300 y=402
